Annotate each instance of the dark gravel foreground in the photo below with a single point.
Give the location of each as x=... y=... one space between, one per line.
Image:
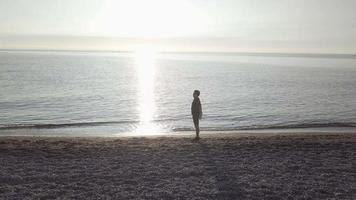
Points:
x=275 y=167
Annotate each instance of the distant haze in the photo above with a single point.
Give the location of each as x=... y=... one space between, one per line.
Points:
x=303 y=26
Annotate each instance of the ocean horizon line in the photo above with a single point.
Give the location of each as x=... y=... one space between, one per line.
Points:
x=243 y=53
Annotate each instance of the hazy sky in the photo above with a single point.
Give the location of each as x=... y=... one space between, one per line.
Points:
x=320 y=26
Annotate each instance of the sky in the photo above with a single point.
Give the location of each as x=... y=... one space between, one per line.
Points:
x=300 y=26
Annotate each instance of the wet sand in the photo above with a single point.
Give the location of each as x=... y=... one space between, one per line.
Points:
x=282 y=166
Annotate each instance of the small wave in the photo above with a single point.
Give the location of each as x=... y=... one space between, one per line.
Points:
x=316 y=125
x=52 y=126
x=282 y=126
x=181 y=129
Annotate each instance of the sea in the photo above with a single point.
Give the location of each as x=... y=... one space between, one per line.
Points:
x=77 y=93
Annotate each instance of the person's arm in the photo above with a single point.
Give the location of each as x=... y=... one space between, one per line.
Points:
x=200 y=111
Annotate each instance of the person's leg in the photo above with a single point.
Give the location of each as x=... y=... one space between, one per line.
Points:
x=197 y=129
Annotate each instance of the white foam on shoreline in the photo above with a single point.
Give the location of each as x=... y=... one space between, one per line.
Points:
x=235 y=133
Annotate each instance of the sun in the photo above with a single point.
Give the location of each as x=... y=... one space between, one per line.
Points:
x=152 y=19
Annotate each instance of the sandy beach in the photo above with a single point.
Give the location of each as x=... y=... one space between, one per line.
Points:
x=294 y=166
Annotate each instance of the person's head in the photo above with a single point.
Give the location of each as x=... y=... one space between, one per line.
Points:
x=196 y=93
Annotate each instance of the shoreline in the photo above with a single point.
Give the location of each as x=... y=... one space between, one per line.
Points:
x=216 y=133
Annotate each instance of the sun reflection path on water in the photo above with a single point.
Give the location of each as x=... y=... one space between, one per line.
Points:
x=145 y=70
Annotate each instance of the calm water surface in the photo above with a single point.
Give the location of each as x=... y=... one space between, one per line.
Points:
x=114 y=93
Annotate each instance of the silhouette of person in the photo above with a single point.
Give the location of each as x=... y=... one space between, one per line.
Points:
x=196 y=112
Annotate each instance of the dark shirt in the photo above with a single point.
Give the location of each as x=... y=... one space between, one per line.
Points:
x=196 y=108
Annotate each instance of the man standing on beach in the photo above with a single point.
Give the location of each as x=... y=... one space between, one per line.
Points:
x=196 y=112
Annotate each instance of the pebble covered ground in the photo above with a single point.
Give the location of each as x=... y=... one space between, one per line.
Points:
x=276 y=167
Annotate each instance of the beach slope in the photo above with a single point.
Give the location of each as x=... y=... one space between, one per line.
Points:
x=274 y=167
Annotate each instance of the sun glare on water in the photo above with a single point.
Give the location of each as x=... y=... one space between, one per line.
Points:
x=145 y=70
